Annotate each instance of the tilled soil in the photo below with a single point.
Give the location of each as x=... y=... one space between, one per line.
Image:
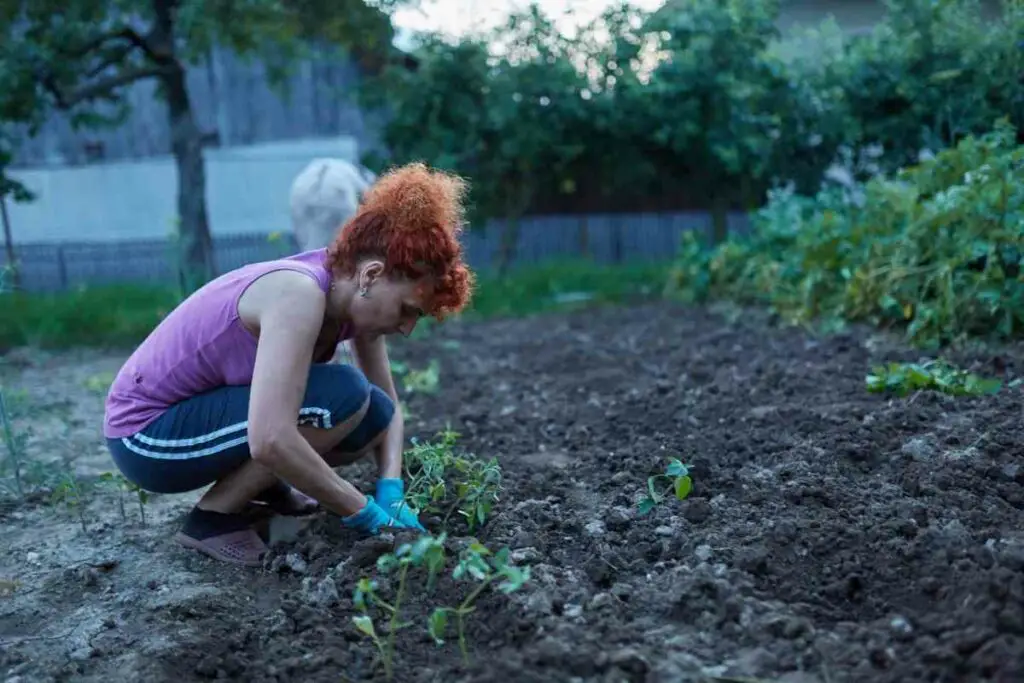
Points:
x=832 y=535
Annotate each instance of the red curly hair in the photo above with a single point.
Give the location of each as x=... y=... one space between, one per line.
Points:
x=411 y=219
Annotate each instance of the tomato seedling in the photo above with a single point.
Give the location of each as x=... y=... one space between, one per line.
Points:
x=445 y=483
x=679 y=484
x=479 y=563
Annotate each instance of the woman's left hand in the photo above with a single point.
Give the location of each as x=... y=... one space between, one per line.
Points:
x=390 y=495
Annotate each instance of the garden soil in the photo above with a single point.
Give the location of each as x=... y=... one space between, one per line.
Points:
x=831 y=535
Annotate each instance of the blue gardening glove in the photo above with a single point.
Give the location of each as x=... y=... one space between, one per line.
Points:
x=390 y=493
x=371 y=519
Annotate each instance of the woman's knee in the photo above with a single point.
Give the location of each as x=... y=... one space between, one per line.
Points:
x=335 y=395
x=371 y=429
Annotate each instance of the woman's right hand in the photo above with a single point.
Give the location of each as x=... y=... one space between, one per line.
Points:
x=372 y=519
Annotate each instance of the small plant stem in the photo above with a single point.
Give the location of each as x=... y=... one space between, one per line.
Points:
x=393 y=626
x=120 y=504
x=12 y=447
x=383 y=603
x=462 y=639
x=81 y=518
x=388 y=673
x=464 y=610
x=453 y=508
x=142 y=510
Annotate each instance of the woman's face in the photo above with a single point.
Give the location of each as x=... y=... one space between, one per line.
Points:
x=386 y=304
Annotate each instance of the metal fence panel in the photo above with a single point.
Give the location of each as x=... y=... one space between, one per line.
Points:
x=603 y=238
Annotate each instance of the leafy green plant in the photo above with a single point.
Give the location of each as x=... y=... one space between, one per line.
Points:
x=935 y=250
x=14 y=442
x=679 y=484
x=428 y=554
x=478 y=563
x=446 y=483
x=72 y=493
x=425 y=381
x=902 y=379
x=625 y=113
x=120 y=484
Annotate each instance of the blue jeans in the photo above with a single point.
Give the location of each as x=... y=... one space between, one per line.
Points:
x=204 y=438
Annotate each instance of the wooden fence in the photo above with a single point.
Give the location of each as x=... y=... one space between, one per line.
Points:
x=604 y=238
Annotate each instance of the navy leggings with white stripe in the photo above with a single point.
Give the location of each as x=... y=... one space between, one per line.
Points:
x=204 y=438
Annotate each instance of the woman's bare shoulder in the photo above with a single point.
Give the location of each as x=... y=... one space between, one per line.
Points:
x=287 y=290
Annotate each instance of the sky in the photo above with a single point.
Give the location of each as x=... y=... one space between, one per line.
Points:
x=456 y=17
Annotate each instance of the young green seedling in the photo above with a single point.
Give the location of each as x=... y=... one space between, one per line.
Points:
x=477 y=490
x=426 y=465
x=14 y=442
x=425 y=381
x=72 y=493
x=427 y=552
x=680 y=484
x=120 y=484
x=902 y=379
x=479 y=563
x=433 y=470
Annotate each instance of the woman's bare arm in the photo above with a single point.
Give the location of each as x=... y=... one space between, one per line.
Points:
x=290 y=311
x=371 y=356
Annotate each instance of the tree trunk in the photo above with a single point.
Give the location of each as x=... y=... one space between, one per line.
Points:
x=507 y=248
x=12 y=261
x=195 y=248
x=719 y=219
x=195 y=252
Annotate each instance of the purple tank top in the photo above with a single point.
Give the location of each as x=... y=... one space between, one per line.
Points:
x=202 y=344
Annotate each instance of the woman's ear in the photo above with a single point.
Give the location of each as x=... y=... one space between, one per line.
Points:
x=370 y=273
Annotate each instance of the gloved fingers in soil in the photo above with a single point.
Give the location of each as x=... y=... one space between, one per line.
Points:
x=225 y=537
x=372 y=519
x=391 y=496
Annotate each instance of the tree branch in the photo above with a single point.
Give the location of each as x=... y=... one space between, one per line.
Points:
x=104 y=86
x=125 y=33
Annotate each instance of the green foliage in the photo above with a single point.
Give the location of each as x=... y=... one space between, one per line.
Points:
x=628 y=113
x=73 y=494
x=934 y=250
x=427 y=554
x=903 y=379
x=932 y=73
x=100 y=316
x=80 y=57
x=445 y=482
x=122 y=315
x=680 y=484
x=425 y=381
x=14 y=444
x=120 y=484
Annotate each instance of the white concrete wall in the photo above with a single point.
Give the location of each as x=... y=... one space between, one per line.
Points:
x=247 y=192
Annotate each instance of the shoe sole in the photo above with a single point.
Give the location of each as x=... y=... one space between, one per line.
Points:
x=213 y=552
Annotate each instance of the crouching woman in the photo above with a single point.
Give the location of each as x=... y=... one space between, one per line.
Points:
x=234 y=388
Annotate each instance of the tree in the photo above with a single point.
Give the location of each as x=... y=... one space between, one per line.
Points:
x=79 y=56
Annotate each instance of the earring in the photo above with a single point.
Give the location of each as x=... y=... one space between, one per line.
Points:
x=363 y=292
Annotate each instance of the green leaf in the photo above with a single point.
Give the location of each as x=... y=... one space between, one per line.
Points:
x=683 y=486
x=437 y=624
x=515 y=578
x=676 y=468
x=365 y=625
x=646 y=505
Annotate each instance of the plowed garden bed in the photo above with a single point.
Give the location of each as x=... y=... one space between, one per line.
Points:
x=831 y=535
